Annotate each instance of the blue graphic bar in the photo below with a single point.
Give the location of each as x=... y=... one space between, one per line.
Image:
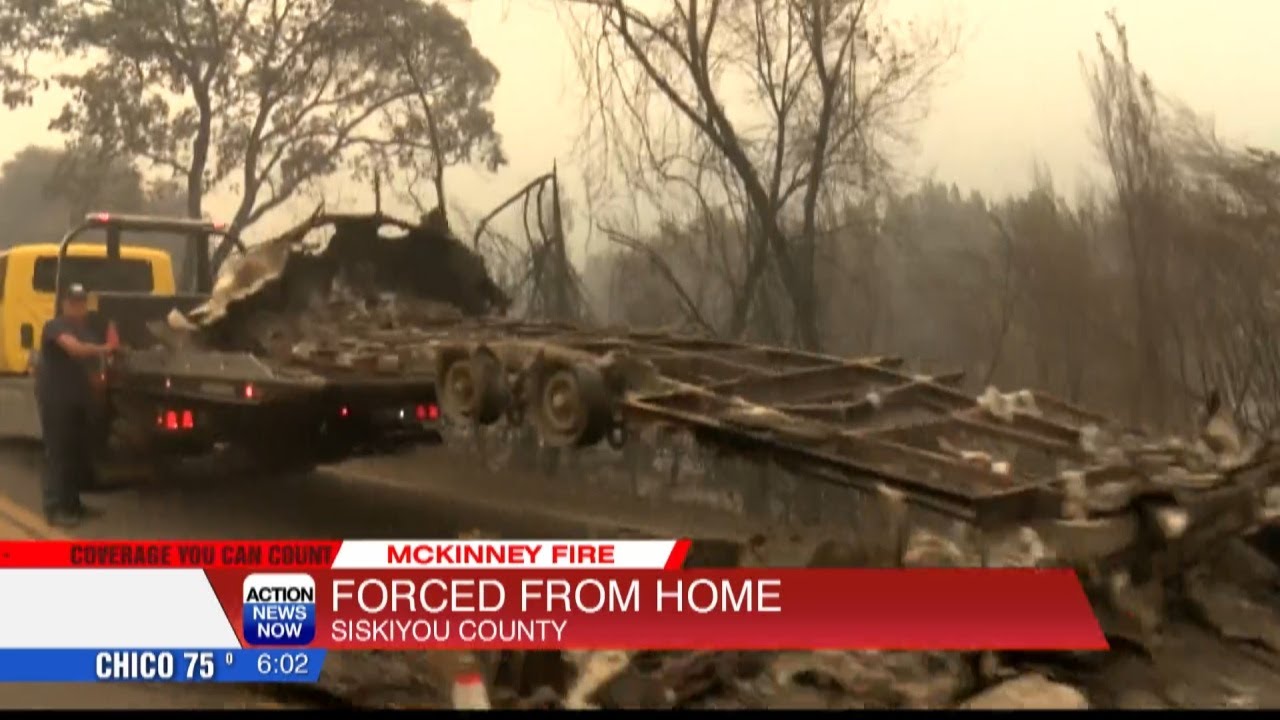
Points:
x=210 y=666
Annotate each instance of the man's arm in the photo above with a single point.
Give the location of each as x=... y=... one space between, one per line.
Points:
x=76 y=348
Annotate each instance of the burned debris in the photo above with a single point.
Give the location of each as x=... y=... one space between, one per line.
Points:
x=821 y=460
x=1022 y=468
x=289 y=277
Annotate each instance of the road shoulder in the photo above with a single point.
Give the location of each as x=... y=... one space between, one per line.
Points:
x=18 y=523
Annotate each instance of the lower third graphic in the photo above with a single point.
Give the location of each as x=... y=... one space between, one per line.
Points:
x=279 y=609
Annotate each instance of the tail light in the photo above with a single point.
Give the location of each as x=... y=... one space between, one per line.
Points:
x=343 y=411
x=250 y=392
x=173 y=420
x=427 y=412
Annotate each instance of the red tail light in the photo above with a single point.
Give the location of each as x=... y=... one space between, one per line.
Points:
x=433 y=412
x=343 y=411
x=420 y=412
x=176 y=420
x=250 y=391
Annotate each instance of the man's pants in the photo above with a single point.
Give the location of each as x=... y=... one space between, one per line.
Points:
x=68 y=461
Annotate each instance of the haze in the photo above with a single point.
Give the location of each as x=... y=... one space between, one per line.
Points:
x=1014 y=96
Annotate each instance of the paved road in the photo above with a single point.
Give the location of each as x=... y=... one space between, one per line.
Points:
x=429 y=493
x=16 y=523
x=326 y=504
x=393 y=498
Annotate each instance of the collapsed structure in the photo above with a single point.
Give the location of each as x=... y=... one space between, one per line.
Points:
x=866 y=462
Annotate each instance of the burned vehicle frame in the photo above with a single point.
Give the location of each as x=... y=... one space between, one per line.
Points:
x=1127 y=509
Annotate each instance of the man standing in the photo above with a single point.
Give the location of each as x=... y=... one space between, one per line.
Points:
x=63 y=393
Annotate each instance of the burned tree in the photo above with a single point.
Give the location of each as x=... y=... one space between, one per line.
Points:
x=829 y=83
x=1196 y=229
x=1128 y=120
x=1227 y=313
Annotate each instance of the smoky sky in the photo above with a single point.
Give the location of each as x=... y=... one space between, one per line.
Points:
x=1013 y=97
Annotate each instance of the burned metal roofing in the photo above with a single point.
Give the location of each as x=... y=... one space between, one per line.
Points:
x=292 y=273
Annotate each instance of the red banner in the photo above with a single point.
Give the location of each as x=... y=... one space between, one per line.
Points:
x=941 y=609
x=625 y=595
x=299 y=554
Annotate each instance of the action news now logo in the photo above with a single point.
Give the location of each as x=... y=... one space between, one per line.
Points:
x=279 y=609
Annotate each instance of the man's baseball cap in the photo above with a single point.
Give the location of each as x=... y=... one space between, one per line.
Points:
x=76 y=291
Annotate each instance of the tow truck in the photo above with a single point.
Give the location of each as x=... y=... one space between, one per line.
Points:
x=155 y=405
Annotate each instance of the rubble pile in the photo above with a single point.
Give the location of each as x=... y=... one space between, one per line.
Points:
x=1107 y=480
x=340 y=278
x=610 y=679
x=1212 y=656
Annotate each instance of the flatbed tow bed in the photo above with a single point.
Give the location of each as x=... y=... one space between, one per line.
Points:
x=286 y=416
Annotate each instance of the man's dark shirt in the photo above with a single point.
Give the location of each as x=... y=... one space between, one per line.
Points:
x=61 y=378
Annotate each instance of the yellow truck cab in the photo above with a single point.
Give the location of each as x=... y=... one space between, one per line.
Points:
x=28 y=283
x=29 y=287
